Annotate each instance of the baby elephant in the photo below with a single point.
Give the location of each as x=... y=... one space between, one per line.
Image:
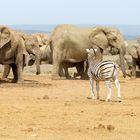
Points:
x=102 y=71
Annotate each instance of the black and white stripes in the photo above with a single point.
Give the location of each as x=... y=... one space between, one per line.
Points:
x=102 y=71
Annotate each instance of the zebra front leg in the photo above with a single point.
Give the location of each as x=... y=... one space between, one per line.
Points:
x=109 y=86
x=118 y=88
x=92 y=88
x=97 y=89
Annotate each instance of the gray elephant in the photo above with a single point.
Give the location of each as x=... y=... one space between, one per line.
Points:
x=46 y=56
x=69 y=44
x=12 y=51
x=32 y=43
x=31 y=47
x=133 y=49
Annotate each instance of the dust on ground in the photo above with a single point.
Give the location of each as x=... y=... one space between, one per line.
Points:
x=45 y=109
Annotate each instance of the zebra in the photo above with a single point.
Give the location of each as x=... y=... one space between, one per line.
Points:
x=102 y=71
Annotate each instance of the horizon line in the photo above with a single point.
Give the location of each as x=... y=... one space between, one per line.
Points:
x=69 y=24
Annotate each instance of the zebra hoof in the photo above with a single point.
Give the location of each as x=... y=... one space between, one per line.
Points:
x=89 y=98
x=108 y=100
x=93 y=98
x=119 y=99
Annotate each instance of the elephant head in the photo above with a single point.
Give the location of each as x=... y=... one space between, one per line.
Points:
x=105 y=37
x=41 y=38
x=5 y=36
x=32 y=47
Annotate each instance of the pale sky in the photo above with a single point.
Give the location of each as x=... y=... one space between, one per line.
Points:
x=69 y=11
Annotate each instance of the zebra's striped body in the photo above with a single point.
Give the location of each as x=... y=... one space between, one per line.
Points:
x=102 y=71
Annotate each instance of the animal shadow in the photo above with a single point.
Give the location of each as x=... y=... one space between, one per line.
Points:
x=103 y=100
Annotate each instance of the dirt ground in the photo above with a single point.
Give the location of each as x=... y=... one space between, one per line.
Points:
x=45 y=109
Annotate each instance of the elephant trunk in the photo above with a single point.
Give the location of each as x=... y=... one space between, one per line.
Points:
x=37 y=61
x=37 y=53
x=121 y=55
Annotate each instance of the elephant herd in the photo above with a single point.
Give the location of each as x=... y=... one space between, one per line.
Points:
x=64 y=48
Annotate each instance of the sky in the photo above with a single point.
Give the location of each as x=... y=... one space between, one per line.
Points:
x=15 y=12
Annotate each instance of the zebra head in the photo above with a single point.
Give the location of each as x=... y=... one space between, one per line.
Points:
x=92 y=54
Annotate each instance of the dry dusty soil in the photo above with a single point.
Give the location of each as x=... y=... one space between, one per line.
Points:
x=45 y=109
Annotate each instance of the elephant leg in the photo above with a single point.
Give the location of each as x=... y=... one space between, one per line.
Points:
x=133 y=69
x=37 y=62
x=6 y=72
x=19 y=74
x=57 y=66
x=14 y=70
x=66 y=72
x=61 y=71
x=80 y=70
x=86 y=66
x=19 y=68
x=56 y=70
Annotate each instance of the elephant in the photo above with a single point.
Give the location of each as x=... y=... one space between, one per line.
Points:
x=46 y=56
x=12 y=52
x=133 y=50
x=69 y=44
x=32 y=43
x=31 y=47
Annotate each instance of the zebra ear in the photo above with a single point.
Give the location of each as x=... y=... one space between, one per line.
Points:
x=95 y=50
x=87 y=50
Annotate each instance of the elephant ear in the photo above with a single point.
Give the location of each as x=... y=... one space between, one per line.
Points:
x=132 y=51
x=98 y=38
x=115 y=38
x=5 y=36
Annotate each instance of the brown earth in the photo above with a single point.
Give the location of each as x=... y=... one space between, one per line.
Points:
x=45 y=109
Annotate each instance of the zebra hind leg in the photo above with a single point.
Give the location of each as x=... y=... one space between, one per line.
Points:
x=118 y=88
x=97 y=89
x=92 y=88
x=109 y=86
